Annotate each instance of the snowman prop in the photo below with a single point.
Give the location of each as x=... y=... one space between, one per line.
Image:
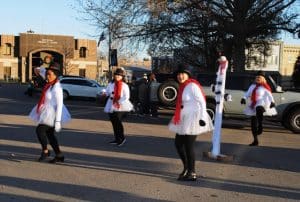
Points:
x=220 y=97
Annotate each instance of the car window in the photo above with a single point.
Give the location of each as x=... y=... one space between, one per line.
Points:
x=89 y=83
x=271 y=82
x=206 y=79
x=238 y=82
x=95 y=83
x=82 y=83
x=68 y=81
x=71 y=81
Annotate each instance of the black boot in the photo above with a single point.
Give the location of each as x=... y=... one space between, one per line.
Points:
x=190 y=176
x=57 y=158
x=254 y=143
x=44 y=155
x=182 y=174
x=259 y=129
x=259 y=114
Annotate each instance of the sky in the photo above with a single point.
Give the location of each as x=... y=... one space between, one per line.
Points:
x=54 y=17
x=43 y=17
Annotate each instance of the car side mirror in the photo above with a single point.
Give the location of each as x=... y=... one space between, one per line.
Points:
x=279 y=89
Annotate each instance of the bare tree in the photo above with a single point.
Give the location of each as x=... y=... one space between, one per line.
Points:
x=68 y=51
x=244 y=21
x=205 y=27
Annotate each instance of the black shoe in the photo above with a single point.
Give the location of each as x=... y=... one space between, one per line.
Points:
x=182 y=174
x=44 y=156
x=57 y=159
x=121 y=143
x=190 y=176
x=113 y=142
x=254 y=143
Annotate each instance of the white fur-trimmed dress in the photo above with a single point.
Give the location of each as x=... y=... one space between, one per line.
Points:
x=194 y=109
x=53 y=108
x=263 y=98
x=125 y=104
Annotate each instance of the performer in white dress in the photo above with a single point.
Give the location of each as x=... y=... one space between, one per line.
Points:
x=261 y=104
x=118 y=105
x=190 y=120
x=50 y=113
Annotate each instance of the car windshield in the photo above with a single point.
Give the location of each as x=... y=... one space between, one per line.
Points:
x=96 y=83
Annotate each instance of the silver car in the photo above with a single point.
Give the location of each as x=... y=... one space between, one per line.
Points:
x=80 y=87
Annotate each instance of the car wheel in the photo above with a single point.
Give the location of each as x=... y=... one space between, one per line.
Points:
x=293 y=121
x=167 y=93
x=211 y=108
x=65 y=95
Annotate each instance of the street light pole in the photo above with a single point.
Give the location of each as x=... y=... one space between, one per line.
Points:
x=109 y=51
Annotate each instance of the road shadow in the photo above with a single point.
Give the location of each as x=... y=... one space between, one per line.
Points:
x=8 y=197
x=259 y=157
x=241 y=187
x=133 y=167
x=99 y=162
x=75 y=192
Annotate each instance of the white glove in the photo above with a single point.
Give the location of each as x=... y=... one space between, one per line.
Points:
x=57 y=126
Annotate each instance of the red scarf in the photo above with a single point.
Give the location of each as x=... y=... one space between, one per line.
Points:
x=176 y=119
x=117 y=93
x=42 y=98
x=253 y=95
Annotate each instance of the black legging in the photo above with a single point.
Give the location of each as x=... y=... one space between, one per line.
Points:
x=45 y=133
x=256 y=122
x=116 y=120
x=185 y=148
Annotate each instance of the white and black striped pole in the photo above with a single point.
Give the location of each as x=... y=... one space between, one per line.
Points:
x=220 y=97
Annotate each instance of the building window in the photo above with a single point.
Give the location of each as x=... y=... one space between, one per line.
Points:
x=82 y=72
x=7 y=73
x=7 y=49
x=76 y=44
x=82 y=52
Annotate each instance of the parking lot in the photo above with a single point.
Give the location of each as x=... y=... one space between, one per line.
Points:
x=146 y=167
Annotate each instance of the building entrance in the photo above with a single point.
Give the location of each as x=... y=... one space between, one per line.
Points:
x=38 y=59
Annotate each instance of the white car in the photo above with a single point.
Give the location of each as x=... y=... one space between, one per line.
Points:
x=80 y=87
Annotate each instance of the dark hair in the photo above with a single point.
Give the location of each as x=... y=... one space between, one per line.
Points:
x=182 y=68
x=260 y=73
x=55 y=67
x=120 y=72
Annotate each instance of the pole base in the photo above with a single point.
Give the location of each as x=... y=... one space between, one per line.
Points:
x=220 y=158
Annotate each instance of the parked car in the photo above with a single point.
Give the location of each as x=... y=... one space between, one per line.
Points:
x=287 y=102
x=74 y=86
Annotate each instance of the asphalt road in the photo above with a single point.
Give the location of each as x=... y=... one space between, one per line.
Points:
x=146 y=167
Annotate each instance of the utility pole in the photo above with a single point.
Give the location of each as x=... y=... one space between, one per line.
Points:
x=109 y=50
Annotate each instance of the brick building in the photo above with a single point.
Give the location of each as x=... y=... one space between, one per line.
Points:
x=20 y=54
x=289 y=57
x=280 y=57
